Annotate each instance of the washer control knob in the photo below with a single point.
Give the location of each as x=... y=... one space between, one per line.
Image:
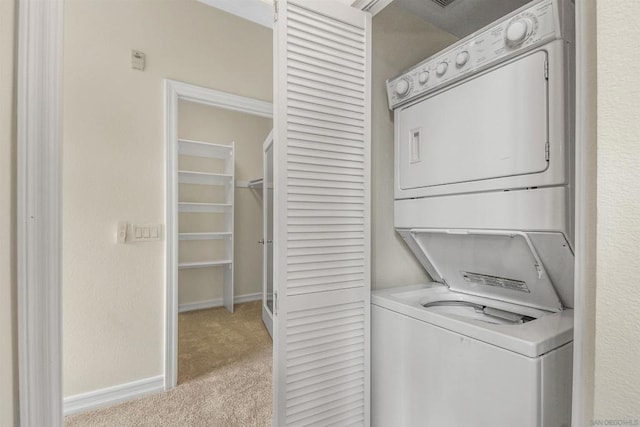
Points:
x=441 y=69
x=423 y=77
x=402 y=87
x=518 y=31
x=462 y=58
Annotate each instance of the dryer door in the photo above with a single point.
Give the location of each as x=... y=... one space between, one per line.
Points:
x=493 y=125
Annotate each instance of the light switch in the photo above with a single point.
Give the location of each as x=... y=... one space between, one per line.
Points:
x=146 y=232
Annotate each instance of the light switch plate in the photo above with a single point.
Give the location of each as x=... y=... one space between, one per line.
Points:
x=147 y=232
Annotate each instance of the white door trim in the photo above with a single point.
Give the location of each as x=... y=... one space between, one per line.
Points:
x=39 y=211
x=176 y=91
x=586 y=215
x=267 y=315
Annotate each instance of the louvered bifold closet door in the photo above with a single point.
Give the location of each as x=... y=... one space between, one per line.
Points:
x=322 y=211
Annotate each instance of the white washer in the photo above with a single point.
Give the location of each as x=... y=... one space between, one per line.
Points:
x=491 y=348
x=446 y=367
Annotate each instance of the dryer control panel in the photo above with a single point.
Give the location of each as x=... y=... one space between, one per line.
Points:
x=522 y=30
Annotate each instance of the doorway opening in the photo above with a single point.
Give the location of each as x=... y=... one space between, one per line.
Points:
x=222 y=341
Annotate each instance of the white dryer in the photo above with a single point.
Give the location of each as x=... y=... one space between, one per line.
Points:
x=484 y=199
x=487 y=121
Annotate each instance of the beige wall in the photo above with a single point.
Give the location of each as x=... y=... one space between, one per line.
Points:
x=617 y=377
x=8 y=344
x=400 y=40
x=617 y=372
x=114 y=166
x=203 y=123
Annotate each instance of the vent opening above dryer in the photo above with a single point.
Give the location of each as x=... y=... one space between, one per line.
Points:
x=443 y=3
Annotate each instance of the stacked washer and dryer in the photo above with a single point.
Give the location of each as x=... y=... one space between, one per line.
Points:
x=484 y=198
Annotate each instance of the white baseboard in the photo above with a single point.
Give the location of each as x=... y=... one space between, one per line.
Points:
x=217 y=302
x=112 y=395
x=239 y=299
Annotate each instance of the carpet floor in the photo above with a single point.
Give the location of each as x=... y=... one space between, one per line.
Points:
x=224 y=377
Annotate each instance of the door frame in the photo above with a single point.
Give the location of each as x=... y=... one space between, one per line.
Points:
x=39 y=209
x=586 y=156
x=267 y=317
x=174 y=92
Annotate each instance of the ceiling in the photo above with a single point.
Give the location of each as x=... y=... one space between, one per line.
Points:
x=460 y=17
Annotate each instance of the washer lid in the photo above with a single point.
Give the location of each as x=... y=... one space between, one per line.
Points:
x=502 y=265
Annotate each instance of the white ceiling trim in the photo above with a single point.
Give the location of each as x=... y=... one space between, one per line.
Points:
x=258 y=11
x=261 y=11
x=371 y=6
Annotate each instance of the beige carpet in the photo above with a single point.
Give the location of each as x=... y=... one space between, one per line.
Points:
x=224 y=377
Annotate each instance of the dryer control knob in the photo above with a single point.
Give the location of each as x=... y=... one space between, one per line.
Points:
x=441 y=68
x=402 y=87
x=518 y=30
x=423 y=77
x=462 y=58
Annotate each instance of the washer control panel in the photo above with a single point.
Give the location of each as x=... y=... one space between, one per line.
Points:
x=520 y=31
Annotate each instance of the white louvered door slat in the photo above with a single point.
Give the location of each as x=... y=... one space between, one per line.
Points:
x=322 y=213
